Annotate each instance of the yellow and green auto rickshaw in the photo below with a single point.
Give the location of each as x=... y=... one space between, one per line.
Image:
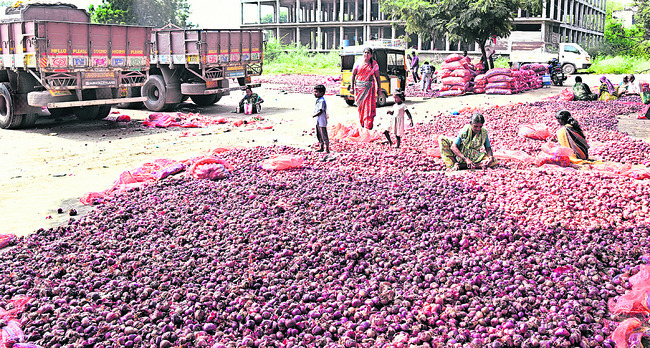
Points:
x=389 y=54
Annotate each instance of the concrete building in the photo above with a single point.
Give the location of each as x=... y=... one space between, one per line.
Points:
x=626 y=16
x=323 y=25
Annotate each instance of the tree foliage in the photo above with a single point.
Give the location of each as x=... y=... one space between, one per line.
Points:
x=642 y=17
x=462 y=20
x=156 y=13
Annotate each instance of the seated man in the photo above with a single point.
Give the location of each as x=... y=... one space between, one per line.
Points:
x=250 y=98
x=582 y=92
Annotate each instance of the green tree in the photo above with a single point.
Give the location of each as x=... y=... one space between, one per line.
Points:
x=463 y=20
x=642 y=16
x=156 y=13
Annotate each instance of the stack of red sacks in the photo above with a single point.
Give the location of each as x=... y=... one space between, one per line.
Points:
x=457 y=74
x=480 y=81
x=500 y=81
x=539 y=69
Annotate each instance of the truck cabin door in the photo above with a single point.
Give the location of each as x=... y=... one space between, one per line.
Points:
x=568 y=51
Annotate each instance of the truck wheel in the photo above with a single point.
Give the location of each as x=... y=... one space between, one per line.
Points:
x=104 y=110
x=568 y=69
x=382 y=99
x=350 y=102
x=8 y=120
x=155 y=91
x=204 y=100
x=28 y=120
x=86 y=113
x=131 y=92
x=216 y=100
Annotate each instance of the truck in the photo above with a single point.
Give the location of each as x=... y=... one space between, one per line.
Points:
x=199 y=64
x=52 y=57
x=570 y=56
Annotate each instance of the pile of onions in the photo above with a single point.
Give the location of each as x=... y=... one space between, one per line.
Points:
x=376 y=248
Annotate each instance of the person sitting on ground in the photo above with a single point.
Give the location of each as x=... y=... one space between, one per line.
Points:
x=250 y=98
x=571 y=135
x=607 y=91
x=623 y=87
x=582 y=92
x=466 y=150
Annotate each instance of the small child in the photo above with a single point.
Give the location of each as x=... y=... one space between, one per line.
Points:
x=396 y=125
x=320 y=112
x=427 y=74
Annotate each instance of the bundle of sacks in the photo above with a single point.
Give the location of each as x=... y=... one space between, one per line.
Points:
x=480 y=81
x=509 y=81
x=539 y=69
x=499 y=81
x=457 y=73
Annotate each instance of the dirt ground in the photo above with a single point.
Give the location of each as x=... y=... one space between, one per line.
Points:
x=52 y=165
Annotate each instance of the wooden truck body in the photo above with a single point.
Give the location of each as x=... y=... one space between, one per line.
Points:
x=67 y=65
x=198 y=63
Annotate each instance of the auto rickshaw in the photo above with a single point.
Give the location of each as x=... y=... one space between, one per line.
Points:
x=392 y=68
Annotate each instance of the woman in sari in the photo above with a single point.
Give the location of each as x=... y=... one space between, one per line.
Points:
x=570 y=135
x=466 y=150
x=364 y=76
x=607 y=91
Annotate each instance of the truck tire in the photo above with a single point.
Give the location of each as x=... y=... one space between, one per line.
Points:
x=104 y=110
x=204 y=100
x=155 y=91
x=568 y=69
x=350 y=102
x=131 y=92
x=216 y=100
x=28 y=120
x=8 y=120
x=86 y=113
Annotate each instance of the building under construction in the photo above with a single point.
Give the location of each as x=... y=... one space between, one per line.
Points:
x=323 y=25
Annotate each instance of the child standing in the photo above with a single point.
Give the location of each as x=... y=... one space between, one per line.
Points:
x=427 y=73
x=320 y=112
x=396 y=125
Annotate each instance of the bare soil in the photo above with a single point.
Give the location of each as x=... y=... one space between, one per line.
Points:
x=50 y=166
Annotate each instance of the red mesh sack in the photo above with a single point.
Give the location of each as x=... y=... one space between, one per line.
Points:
x=453 y=57
x=538 y=131
x=281 y=162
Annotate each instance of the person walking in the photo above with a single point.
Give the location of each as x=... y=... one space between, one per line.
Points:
x=365 y=81
x=415 y=67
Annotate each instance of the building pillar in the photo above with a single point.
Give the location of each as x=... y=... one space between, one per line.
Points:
x=356 y=10
x=318 y=38
x=297 y=11
x=297 y=41
x=342 y=10
x=277 y=11
x=419 y=42
x=367 y=8
x=341 y=36
x=319 y=14
x=447 y=43
x=392 y=32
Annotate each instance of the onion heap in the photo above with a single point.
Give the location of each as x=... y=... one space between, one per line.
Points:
x=377 y=248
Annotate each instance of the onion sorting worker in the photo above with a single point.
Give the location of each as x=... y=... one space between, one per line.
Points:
x=466 y=150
